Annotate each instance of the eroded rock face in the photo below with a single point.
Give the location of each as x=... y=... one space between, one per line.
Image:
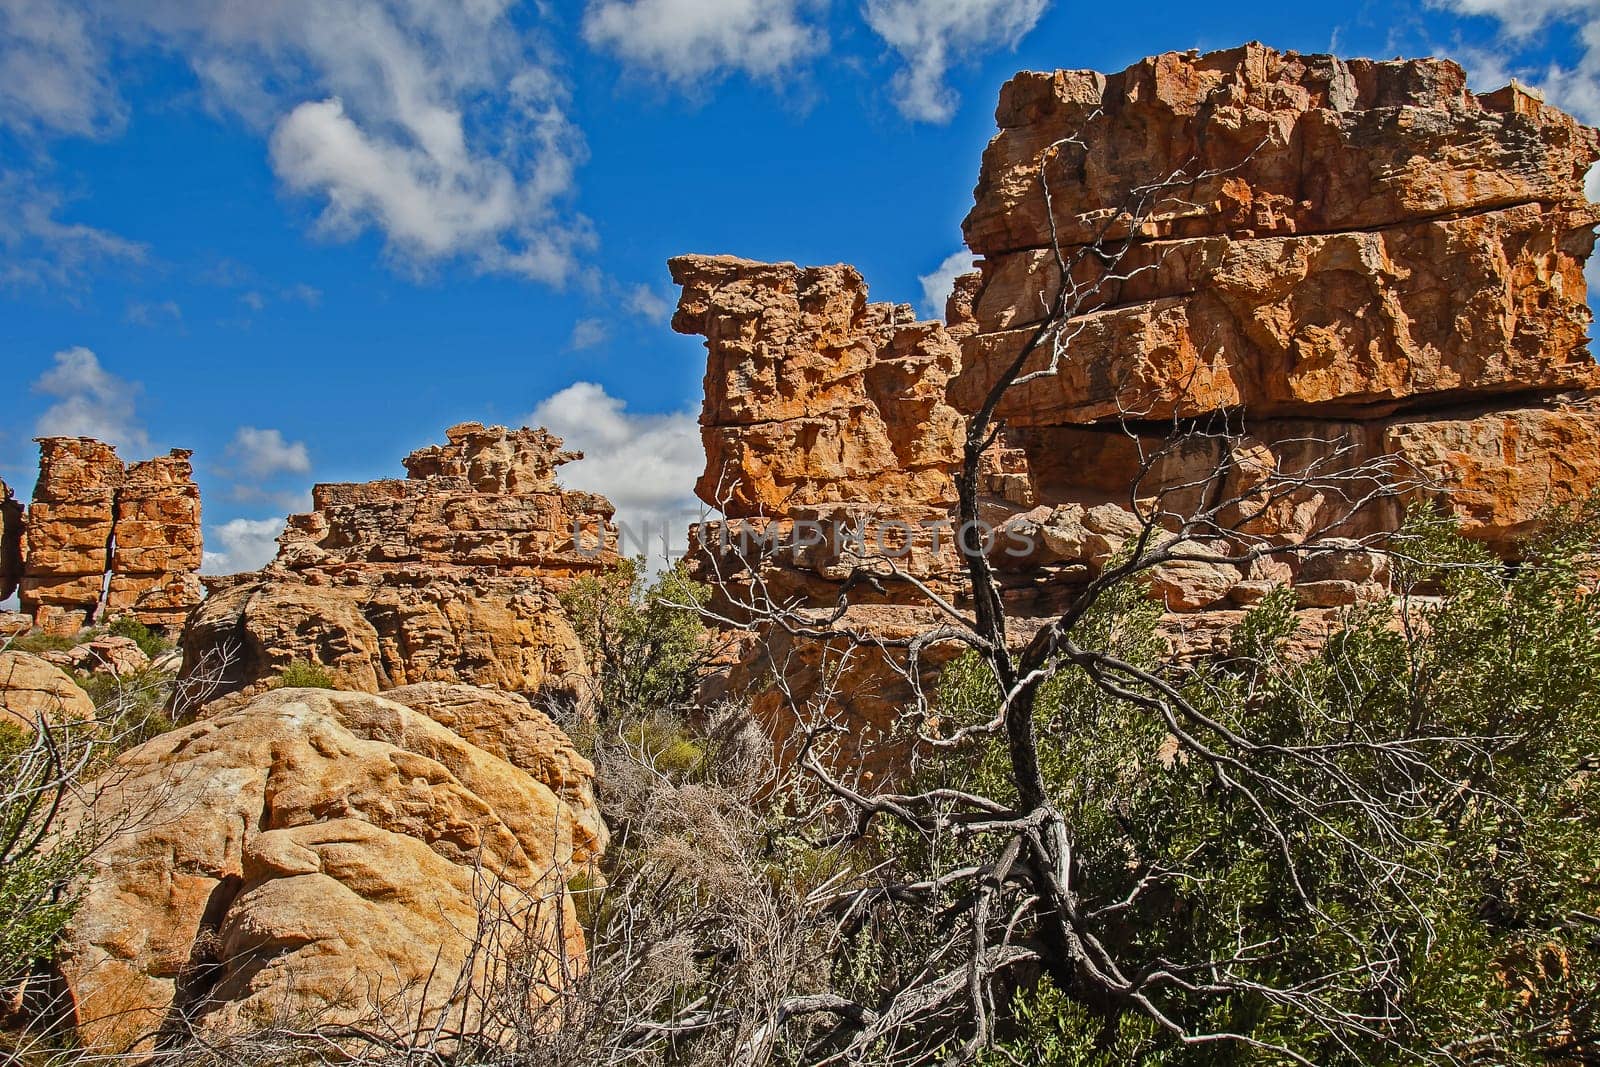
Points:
x=11 y=530
x=448 y=575
x=814 y=396
x=1367 y=253
x=1353 y=263
x=319 y=855
x=107 y=539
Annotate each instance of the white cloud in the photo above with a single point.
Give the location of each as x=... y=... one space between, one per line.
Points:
x=937 y=286
x=1575 y=88
x=687 y=42
x=1522 y=17
x=438 y=123
x=41 y=250
x=247 y=545
x=90 y=402
x=265 y=453
x=645 y=464
x=52 y=73
x=586 y=333
x=646 y=303
x=931 y=36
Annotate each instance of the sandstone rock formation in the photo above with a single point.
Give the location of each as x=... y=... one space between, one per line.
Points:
x=448 y=575
x=1369 y=253
x=325 y=857
x=825 y=423
x=105 y=539
x=119 y=657
x=31 y=688
x=1347 y=260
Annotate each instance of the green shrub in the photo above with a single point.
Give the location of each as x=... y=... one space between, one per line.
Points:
x=37 y=641
x=643 y=641
x=150 y=643
x=37 y=875
x=1485 y=912
x=304 y=674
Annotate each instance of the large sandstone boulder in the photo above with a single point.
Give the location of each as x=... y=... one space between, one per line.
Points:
x=375 y=632
x=1370 y=260
x=32 y=688
x=312 y=856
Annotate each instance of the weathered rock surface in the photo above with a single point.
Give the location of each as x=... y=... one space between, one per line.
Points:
x=31 y=688
x=321 y=855
x=118 y=657
x=813 y=395
x=1359 y=263
x=105 y=539
x=1367 y=253
x=448 y=575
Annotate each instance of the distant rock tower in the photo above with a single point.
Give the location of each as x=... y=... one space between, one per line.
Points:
x=103 y=538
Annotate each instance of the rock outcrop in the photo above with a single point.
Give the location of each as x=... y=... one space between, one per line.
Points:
x=1355 y=251
x=32 y=688
x=448 y=575
x=318 y=856
x=1346 y=261
x=825 y=424
x=106 y=539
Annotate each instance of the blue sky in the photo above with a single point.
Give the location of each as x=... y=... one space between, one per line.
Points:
x=302 y=237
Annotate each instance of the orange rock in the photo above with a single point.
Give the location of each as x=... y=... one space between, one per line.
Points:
x=1292 y=144
x=106 y=540
x=814 y=396
x=32 y=688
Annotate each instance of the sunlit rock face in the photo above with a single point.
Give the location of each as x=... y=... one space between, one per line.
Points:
x=316 y=854
x=104 y=538
x=1345 y=260
x=450 y=574
x=1354 y=251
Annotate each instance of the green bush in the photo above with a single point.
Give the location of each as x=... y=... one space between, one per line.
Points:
x=643 y=640
x=37 y=875
x=37 y=641
x=150 y=643
x=1492 y=879
x=304 y=674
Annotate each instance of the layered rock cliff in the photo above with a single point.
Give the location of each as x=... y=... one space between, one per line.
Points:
x=104 y=538
x=1343 y=251
x=450 y=574
x=1342 y=260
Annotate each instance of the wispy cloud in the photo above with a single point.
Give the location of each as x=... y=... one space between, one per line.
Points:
x=931 y=36
x=687 y=42
x=140 y=313
x=587 y=333
x=42 y=250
